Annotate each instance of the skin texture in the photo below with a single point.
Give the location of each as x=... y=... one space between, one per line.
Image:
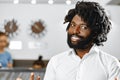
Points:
x=32 y=77
x=37 y=66
x=78 y=30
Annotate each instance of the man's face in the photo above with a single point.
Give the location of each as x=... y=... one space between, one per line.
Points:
x=79 y=34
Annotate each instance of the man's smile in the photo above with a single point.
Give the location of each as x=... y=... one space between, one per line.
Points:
x=75 y=38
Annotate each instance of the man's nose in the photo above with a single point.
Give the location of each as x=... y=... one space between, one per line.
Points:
x=77 y=30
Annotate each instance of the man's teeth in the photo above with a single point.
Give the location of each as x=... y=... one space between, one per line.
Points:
x=75 y=38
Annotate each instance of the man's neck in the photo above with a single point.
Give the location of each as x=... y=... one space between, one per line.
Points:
x=82 y=52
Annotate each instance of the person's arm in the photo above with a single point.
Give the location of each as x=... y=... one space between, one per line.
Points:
x=10 y=61
x=32 y=77
x=116 y=79
x=114 y=70
x=9 y=65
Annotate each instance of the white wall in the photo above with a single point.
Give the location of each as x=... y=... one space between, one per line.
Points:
x=52 y=15
x=55 y=39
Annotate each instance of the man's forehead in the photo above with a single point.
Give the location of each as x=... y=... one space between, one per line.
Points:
x=78 y=20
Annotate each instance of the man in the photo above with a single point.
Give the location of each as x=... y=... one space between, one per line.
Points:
x=88 y=28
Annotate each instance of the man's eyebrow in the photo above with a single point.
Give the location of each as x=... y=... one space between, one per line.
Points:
x=72 y=22
x=80 y=24
x=83 y=24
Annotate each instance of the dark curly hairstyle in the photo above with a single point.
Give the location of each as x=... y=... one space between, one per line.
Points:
x=95 y=17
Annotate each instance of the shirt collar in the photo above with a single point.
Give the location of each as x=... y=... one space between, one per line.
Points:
x=93 y=50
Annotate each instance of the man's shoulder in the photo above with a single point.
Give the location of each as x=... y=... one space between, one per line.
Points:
x=107 y=57
x=62 y=55
x=59 y=58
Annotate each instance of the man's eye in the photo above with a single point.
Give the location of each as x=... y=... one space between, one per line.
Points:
x=84 y=27
x=72 y=25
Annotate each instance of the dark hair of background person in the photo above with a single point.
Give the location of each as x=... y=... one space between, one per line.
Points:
x=39 y=62
x=95 y=17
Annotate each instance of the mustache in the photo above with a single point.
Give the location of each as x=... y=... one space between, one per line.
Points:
x=81 y=37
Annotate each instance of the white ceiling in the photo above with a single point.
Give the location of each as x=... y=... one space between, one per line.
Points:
x=62 y=1
x=114 y=2
x=38 y=1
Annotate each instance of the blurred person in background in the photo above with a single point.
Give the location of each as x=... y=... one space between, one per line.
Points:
x=39 y=64
x=5 y=56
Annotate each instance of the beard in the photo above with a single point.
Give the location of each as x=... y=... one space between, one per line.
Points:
x=82 y=43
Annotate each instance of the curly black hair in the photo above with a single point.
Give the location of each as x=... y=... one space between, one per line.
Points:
x=95 y=17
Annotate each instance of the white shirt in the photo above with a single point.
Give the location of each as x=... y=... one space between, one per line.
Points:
x=95 y=65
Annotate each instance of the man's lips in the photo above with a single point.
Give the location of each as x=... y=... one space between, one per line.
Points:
x=75 y=38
